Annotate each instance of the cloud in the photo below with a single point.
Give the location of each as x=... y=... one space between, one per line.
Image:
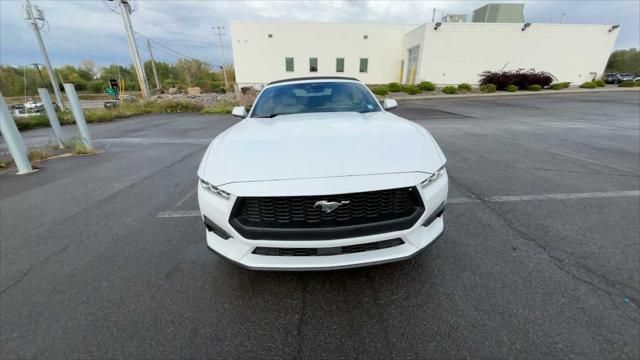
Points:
x=82 y=30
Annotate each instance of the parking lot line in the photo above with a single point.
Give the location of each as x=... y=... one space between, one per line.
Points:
x=466 y=200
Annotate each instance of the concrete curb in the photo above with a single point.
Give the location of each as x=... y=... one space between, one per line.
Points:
x=506 y=94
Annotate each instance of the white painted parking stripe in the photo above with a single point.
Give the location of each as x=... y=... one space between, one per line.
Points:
x=590 y=195
x=177 y=214
x=466 y=200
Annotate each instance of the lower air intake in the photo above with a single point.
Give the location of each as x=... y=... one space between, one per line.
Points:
x=339 y=250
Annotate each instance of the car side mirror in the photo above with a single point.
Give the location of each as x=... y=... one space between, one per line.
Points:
x=389 y=104
x=239 y=111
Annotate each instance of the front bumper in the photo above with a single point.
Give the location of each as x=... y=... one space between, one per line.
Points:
x=240 y=250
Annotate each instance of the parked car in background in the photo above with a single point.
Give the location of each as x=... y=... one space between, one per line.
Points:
x=610 y=78
x=17 y=109
x=625 y=77
x=319 y=175
x=109 y=104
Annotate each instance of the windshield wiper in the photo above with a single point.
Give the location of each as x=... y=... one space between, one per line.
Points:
x=269 y=116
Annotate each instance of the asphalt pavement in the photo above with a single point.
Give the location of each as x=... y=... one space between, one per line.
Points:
x=102 y=256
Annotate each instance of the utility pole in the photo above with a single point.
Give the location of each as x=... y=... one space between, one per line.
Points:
x=153 y=66
x=433 y=16
x=32 y=16
x=220 y=34
x=125 y=11
x=39 y=74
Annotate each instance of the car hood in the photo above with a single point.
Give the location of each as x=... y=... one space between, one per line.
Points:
x=319 y=145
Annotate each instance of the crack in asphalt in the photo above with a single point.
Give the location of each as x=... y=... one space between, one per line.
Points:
x=303 y=309
x=66 y=246
x=560 y=263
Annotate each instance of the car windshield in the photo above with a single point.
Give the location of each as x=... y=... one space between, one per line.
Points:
x=314 y=97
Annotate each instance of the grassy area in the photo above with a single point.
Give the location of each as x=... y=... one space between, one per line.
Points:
x=106 y=115
x=224 y=107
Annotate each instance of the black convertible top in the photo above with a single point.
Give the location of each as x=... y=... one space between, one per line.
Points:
x=313 y=78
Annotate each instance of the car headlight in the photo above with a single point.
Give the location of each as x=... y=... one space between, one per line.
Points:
x=433 y=177
x=214 y=189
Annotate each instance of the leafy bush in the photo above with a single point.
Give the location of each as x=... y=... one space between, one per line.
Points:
x=394 y=87
x=636 y=83
x=223 y=107
x=520 y=78
x=534 y=87
x=599 y=83
x=426 y=86
x=556 y=86
x=588 y=85
x=96 y=86
x=411 y=89
x=627 y=83
x=464 y=87
x=174 y=107
x=106 y=115
x=450 y=90
x=488 y=88
x=511 y=88
x=565 y=85
x=380 y=90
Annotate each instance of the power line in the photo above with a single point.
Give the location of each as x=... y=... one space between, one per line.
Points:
x=166 y=47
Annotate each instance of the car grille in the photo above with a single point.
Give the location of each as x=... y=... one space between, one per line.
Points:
x=339 y=250
x=298 y=217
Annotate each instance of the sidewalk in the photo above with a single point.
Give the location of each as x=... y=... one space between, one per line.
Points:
x=423 y=96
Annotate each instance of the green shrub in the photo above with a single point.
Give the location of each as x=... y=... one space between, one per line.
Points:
x=534 y=87
x=464 y=87
x=556 y=86
x=426 y=86
x=106 y=115
x=380 y=90
x=565 y=85
x=394 y=87
x=174 y=107
x=488 y=88
x=411 y=89
x=96 y=86
x=599 y=83
x=627 y=83
x=511 y=88
x=450 y=90
x=223 y=107
x=636 y=83
x=588 y=85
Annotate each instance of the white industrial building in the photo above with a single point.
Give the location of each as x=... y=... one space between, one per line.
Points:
x=444 y=53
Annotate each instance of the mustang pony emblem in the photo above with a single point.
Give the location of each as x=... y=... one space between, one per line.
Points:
x=329 y=206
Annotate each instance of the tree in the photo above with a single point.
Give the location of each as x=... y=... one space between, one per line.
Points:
x=89 y=67
x=624 y=61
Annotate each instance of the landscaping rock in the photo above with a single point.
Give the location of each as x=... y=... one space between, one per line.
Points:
x=204 y=100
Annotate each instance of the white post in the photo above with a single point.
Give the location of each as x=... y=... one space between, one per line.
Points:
x=14 y=140
x=72 y=96
x=51 y=114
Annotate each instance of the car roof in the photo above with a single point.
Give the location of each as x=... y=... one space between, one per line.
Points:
x=311 y=78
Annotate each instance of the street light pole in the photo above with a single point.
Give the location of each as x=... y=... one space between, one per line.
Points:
x=125 y=11
x=220 y=34
x=153 y=66
x=32 y=18
x=39 y=74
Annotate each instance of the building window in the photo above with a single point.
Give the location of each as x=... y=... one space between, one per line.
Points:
x=270 y=36
x=288 y=64
x=366 y=37
x=340 y=65
x=313 y=64
x=364 y=65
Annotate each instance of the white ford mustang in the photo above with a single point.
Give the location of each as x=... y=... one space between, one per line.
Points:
x=320 y=176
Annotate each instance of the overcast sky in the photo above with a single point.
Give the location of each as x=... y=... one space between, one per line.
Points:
x=81 y=30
